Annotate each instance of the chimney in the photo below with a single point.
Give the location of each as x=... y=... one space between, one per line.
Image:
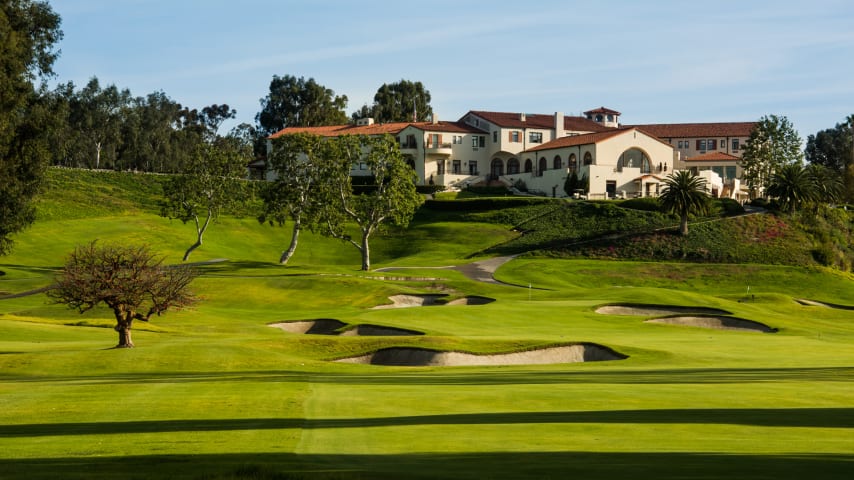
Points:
x=522 y=117
x=435 y=119
x=559 y=131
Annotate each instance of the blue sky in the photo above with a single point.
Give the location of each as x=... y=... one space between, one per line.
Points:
x=654 y=61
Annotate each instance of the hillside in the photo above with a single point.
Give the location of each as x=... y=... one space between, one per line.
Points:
x=536 y=226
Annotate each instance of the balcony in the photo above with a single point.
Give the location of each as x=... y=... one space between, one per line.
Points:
x=439 y=149
x=410 y=148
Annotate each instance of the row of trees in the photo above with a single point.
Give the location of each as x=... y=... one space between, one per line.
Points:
x=105 y=127
x=297 y=102
x=314 y=188
x=773 y=163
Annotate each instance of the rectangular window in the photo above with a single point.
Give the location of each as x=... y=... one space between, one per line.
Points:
x=516 y=137
x=712 y=144
x=535 y=137
x=734 y=144
x=701 y=145
x=457 y=167
x=482 y=141
x=474 y=142
x=440 y=167
x=495 y=136
x=729 y=172
x=473 y=167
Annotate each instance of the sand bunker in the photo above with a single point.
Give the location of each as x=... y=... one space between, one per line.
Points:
x=471 y=300
x=426 y=300
x=716 y=322
x=419 y=357
x=326 y=326
x=641 y=309
x=369 y=330
x=816 y=303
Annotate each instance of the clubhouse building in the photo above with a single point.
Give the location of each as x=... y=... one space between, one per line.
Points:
x=540 y=151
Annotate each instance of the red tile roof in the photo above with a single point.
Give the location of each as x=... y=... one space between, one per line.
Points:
x=602 y=110
x=713 y=157
x=338 y=130
x=451 y=127
x=538 y=120
x=591 y=138
x=699 y=130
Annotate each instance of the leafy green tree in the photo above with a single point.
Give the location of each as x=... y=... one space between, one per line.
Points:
x=297 y=102
x=684 y=194
x=773 y=142
x=393 y=200
x=211 y=181
x=97 y=115
x=403 y=101
x=28 y=32
x=128 y=279
x=834 y=148
x=300 y=188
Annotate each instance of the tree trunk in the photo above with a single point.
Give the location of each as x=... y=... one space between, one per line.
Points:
x=192 y=247
x=125 y=340
x=287 y=254
x=200 y=231
x=366 y=251
x=683 y=225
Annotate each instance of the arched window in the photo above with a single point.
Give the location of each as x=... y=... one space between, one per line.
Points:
x=573 y=163
x=529 y=166
x=512 y=166
x=557 y=163
x=544 y=165
x=588 y=158
x=599 y=118
x=635 y=158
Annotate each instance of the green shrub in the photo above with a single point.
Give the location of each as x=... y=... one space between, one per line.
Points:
x=647 y=204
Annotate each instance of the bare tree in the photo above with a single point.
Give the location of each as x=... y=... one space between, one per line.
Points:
x=128 y=279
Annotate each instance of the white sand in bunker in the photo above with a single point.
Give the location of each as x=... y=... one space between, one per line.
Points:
x=644 y=310
x=420 y=357
x=426 y=300
x=326 y=326
x=716 y=322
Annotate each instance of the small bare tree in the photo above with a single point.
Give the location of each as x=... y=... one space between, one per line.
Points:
x=128 y=279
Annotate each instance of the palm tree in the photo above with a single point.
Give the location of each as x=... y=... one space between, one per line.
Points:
x=792 y=186
x=684 y=193
x=827 y=184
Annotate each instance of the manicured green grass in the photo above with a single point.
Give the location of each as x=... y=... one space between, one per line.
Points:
x=214 y=393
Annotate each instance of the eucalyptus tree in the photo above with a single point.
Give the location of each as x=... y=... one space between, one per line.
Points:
x=684 y=194
x=211 y=180
x=29 y=31
x=392 y=199
x=300 y=188
x=297 y=102
x=403 y=101
x=773 y=142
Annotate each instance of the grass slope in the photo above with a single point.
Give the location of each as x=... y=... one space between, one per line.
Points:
x=213 y=393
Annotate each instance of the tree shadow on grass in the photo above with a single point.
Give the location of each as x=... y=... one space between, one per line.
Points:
x=504 y=465
x=757 y=417
x=468 y=376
